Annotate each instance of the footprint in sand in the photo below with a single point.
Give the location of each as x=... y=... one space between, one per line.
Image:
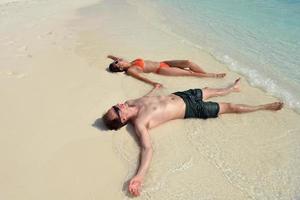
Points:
x=11 y=74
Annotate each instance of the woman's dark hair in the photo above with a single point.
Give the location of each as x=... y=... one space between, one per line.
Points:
x=113 y=67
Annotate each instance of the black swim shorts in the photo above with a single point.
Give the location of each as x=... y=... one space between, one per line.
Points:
x=196 y=107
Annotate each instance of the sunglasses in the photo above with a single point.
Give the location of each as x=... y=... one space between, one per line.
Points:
x=117 y=111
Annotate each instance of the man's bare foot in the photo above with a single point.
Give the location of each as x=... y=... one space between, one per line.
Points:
x=273 y=106
x=236 y=85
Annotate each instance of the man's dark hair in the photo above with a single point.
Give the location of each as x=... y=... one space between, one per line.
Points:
x=114 y=68
x=112 y=124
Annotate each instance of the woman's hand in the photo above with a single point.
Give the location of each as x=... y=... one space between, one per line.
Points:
x=114 y=58
x=135 y=185
x=157 y=85
x=110 y=56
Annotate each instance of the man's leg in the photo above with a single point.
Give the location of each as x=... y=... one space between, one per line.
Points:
x=214 y=92
x=242 y=108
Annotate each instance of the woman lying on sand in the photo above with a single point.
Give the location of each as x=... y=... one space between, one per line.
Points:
x=168 y=68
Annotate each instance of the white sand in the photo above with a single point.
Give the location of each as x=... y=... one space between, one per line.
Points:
x=54 y=86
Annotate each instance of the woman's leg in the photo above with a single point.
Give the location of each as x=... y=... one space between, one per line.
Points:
x=185 y=64
x=174 y=71
x=214 y=92
x=242 y=108
x=191 y=66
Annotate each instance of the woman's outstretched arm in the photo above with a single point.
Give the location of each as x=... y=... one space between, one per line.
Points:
x=132 y=71
x=114 y=58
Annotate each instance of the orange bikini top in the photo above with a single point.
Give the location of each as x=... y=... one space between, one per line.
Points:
x=138 y=63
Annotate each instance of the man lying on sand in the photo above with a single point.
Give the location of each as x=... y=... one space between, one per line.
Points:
x=168 y=68
x=150 y=111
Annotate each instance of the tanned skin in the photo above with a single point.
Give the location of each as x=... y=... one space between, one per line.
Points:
x=150 y=111
x=177 y=68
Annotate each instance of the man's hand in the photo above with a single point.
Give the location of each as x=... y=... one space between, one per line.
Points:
x=135 y=185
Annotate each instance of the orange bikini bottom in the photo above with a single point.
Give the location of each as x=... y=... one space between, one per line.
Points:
x=161 y=65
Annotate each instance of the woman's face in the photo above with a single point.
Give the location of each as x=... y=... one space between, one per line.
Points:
x=116 y=67
x=121 y=64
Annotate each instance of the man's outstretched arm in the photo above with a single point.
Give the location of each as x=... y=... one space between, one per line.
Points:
x=135 y=183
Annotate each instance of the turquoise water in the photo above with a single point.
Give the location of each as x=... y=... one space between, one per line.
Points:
x=259 y=39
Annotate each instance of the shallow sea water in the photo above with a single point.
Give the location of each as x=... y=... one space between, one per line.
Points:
x=259 y=39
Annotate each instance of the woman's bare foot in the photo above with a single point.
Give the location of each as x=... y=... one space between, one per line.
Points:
x=273 y=106
x=211 y=75
x=220 y=75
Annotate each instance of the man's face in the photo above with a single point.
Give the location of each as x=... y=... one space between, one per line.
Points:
x=116 y=117
x=118 y=111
